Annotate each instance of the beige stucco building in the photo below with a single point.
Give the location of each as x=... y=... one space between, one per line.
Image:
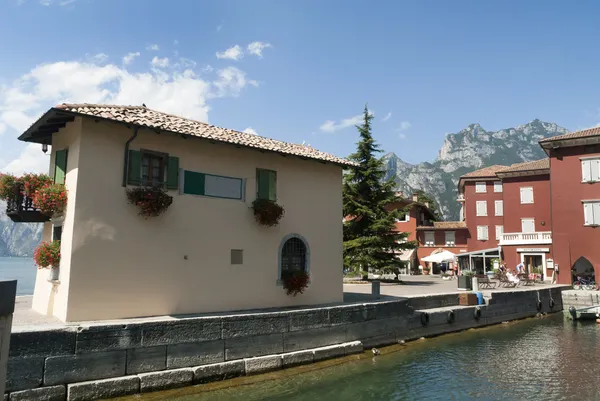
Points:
x=206 y=253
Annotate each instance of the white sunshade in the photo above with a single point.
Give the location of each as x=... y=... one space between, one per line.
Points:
x=444 y=256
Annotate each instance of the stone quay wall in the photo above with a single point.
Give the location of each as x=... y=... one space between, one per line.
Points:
x=580 y=298
x=8 y=290
x=107 y=360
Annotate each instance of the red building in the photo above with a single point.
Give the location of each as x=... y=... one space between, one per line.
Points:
x=575 y=202
x=439 y=236
x=527 y=224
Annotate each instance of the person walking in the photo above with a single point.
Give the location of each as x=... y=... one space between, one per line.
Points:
x=520 y=268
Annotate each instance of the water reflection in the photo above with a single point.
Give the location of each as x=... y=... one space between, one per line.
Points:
x=547 y=359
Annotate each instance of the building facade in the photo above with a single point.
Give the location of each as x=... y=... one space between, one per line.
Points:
x=206 y=253
x=575 y=203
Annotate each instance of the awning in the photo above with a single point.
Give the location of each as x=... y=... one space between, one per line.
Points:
x=480 y=252
x=406 y=255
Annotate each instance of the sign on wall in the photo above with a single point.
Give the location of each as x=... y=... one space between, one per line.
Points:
x=533 y=249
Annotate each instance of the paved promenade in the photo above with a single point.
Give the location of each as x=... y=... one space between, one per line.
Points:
x=412 y=286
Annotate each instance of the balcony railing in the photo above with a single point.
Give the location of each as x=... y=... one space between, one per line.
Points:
x=20 y=209
x=535 y=238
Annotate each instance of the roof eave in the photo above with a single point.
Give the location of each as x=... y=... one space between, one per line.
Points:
x=42 y=129
x=552 y=144
x=523 y=173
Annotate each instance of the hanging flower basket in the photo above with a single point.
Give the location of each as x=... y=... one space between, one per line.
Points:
x=51 y=199
x=33 y=182
x=8 y=185
x=295 y=281
x=152 y=202
x=267 y=212
x=47 y=254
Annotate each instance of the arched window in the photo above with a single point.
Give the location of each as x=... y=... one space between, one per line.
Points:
x=294 y=254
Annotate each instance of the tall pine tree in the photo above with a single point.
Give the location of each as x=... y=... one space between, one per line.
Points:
x=369 y=237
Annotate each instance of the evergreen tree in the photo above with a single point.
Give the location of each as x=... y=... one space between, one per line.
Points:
x=369 y=237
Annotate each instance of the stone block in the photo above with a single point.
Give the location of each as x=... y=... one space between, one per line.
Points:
x=219 y=371
x=146 y=359
x=24 y=373
x=352 y=314
x=36 y=343
x=103 y=389
x=54 y=393
x=84 y=367
x=299 y=340
x=246 y=347
x=354 y=347
x=253 y=325
x=310 y=319
x=262 y=364
x=332 y=351
x=181 y=331
x=165 y=380
x=376 y=328
x=194 y=354
x=107 y=338
x=388 y=310
x=297 y=358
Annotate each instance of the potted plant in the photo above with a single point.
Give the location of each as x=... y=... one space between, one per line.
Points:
x=47 y=256
x=465 y=280
x=152 y=201
x=294 y=281
x=8 y=183
x=426 y=270
x=51 y=199
x=267 y=212
x=33 y=182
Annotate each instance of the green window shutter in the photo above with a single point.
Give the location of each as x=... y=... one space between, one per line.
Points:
x=193 y=183
x=134 y=169
x=173 y=173
x=272 y=185
x=60 y=166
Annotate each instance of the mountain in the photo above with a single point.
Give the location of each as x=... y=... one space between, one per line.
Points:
x=470 y=149
x=18 y=239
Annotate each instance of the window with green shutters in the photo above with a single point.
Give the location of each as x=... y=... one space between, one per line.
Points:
x=60 y=165
x=150 y=168
x=266 y=184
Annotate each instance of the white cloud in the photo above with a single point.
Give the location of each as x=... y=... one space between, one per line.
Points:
x=99 y=58
x=175 y=42
x=387 y=116
x=233 y=53
x=160 y=62
x=179 y=91
x=404 y=125
x=31 y=160
x=51 y=2
x=331 y=126
x=250 y=130
x=256 y=48
x=130 y=57
x=402 y=135
x=153 y=47
x=219 y=27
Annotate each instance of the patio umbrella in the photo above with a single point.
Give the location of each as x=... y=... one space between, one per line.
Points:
x=441 y=257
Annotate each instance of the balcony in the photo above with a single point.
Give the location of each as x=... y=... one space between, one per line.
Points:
x=535 y=238
x=20 y=209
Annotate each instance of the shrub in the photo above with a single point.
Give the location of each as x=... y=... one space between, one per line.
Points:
x=294 y=281
x=8 y=182
x=267 y=212
x=51 y=199
x=47 y=254
x=33 y=182
x=151 y=201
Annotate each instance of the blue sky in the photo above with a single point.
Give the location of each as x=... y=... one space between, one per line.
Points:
x=302 y=70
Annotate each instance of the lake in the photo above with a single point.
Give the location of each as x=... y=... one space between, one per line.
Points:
x=541 y=359
x=21 y=269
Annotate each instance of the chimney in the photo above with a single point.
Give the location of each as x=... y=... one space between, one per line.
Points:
x=427 y=205
x=415 y=197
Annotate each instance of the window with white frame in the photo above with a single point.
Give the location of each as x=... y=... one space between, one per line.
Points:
x=482 y=233
x=528 y=225
x=499 y=208
x=526 y=194
x=591 y=213
x=499 y=232
x=481 y=208
x=450 y=238
x=429 y=238
x=404 y=216
x=497 y=186
x=590 y=169
x=480 y=187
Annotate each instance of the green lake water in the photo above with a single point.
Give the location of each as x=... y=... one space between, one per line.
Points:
x=536 y=359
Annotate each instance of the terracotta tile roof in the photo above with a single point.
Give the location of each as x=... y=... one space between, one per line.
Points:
x=574 y=135
x=441 y=225
x=484 y=172
x=142 y=116
x=543 y=164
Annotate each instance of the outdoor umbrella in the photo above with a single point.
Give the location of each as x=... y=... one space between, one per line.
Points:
x=444 y=256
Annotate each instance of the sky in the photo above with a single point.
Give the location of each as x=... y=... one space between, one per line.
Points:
x=302 y=71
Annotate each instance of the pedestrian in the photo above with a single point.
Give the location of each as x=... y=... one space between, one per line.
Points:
x=520 y=268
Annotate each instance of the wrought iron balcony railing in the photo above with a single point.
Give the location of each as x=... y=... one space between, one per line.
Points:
x=20 y=209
